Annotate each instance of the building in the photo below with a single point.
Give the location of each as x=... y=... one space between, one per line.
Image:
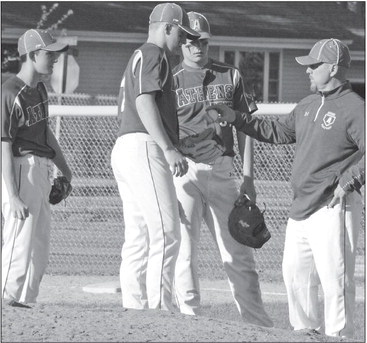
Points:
x=261 y=38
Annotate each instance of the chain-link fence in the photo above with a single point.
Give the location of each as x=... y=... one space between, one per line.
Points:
x=88 y=229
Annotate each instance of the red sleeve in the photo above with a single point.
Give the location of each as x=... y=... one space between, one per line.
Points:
x=150 y=69
x=11 y=113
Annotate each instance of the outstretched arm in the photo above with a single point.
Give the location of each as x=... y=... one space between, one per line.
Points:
x=280 y=131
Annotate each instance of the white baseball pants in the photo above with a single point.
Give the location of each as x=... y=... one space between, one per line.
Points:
x=322 y=249
x=152 y=231
x=25 y=250
x=208 y=191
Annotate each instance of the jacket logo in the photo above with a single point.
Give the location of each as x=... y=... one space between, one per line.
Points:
x=328 y=120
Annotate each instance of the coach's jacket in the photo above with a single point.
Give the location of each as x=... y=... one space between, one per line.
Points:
x=328 y=130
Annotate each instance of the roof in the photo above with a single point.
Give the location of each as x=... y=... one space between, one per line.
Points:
x=271 y=19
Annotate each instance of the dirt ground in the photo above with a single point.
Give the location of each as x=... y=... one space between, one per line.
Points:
x=66 y=313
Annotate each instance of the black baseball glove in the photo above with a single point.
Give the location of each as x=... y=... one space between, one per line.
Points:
x=60 y=190
x=246 y=223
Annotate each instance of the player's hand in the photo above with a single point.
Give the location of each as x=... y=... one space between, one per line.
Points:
x=177 y=162
x=339 y=197
x=18 y=208
x=225 y=114
x=248 y=187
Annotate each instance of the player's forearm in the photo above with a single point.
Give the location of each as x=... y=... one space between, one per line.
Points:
x=245 y=145
x=8 y=170
x=151 y=119
x=59 y=159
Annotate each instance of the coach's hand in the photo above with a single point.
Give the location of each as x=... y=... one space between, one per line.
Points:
x=225 y=114
x=339 y=197
x=177 y=162
x=18 y=207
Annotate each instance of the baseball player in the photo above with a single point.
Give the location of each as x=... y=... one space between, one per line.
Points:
x=141 y=159
x=28 y=145
x=328 y=172
x=209 y=189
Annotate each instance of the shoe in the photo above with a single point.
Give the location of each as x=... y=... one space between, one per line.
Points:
x=308 y=332
x=14 y=303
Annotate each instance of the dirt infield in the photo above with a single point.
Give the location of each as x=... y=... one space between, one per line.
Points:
x=65 y=313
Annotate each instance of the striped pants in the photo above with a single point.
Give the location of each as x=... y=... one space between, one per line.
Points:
x=152 y=229
x=25 y=250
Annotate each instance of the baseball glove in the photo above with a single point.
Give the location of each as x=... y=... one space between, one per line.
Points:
x=246 y=223
x=203 y=147
x=60 y=190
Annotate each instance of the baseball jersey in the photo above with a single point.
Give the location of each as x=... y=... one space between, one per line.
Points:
x=328 y=130
x=24 y=118
x=148 y=70
x=196 y=89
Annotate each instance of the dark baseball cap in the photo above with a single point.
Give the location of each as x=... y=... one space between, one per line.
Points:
x=35 y=39
x=329 y=50
x=173 y=14
x=200 y=24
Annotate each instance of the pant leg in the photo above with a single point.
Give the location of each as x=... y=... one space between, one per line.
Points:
x=152 y=191
x=41 y=236
x=187 y=287
x=238 y=260
x=300 y=278
x=23 y=268
x=134 y=254
x=334 y=247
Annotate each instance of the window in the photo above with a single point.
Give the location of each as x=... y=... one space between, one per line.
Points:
x=260 y=70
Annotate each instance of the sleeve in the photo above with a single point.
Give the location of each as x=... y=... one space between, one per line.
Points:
x=278 y=131
x=242 y=100
x=11 y=113
x=354 y=177
x=149 y=68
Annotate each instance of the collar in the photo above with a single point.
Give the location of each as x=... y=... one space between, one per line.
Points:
x=345 y=87
x=204 y=68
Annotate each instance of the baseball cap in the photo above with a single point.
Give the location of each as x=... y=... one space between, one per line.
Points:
x=35 y=39
x=173 y=14
x=200 y=24
x=329 y=51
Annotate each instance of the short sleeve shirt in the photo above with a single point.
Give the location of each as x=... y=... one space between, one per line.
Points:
x=196 y=89
x=148 y=71
x=24 y=118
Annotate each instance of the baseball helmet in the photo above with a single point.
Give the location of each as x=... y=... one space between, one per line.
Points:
x=200 y=24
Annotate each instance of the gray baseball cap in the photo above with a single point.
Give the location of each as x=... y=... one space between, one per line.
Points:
x=173 y=14
x=200 y=24
x=34 y=39
x=329 y=50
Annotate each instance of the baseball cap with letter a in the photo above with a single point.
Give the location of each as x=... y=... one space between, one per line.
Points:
x=330 y=50
x=200 y=24
x=173 y=14
x=35 y=39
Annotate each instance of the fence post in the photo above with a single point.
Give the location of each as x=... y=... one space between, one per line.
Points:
x=57 y=136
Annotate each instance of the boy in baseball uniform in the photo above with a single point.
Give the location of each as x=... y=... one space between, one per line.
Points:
x=209 y=189
x=328 y=173
x=144 y=158
x=28 y=145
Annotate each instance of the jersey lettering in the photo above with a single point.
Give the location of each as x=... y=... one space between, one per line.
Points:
x=35 y=114
x=220 y=92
